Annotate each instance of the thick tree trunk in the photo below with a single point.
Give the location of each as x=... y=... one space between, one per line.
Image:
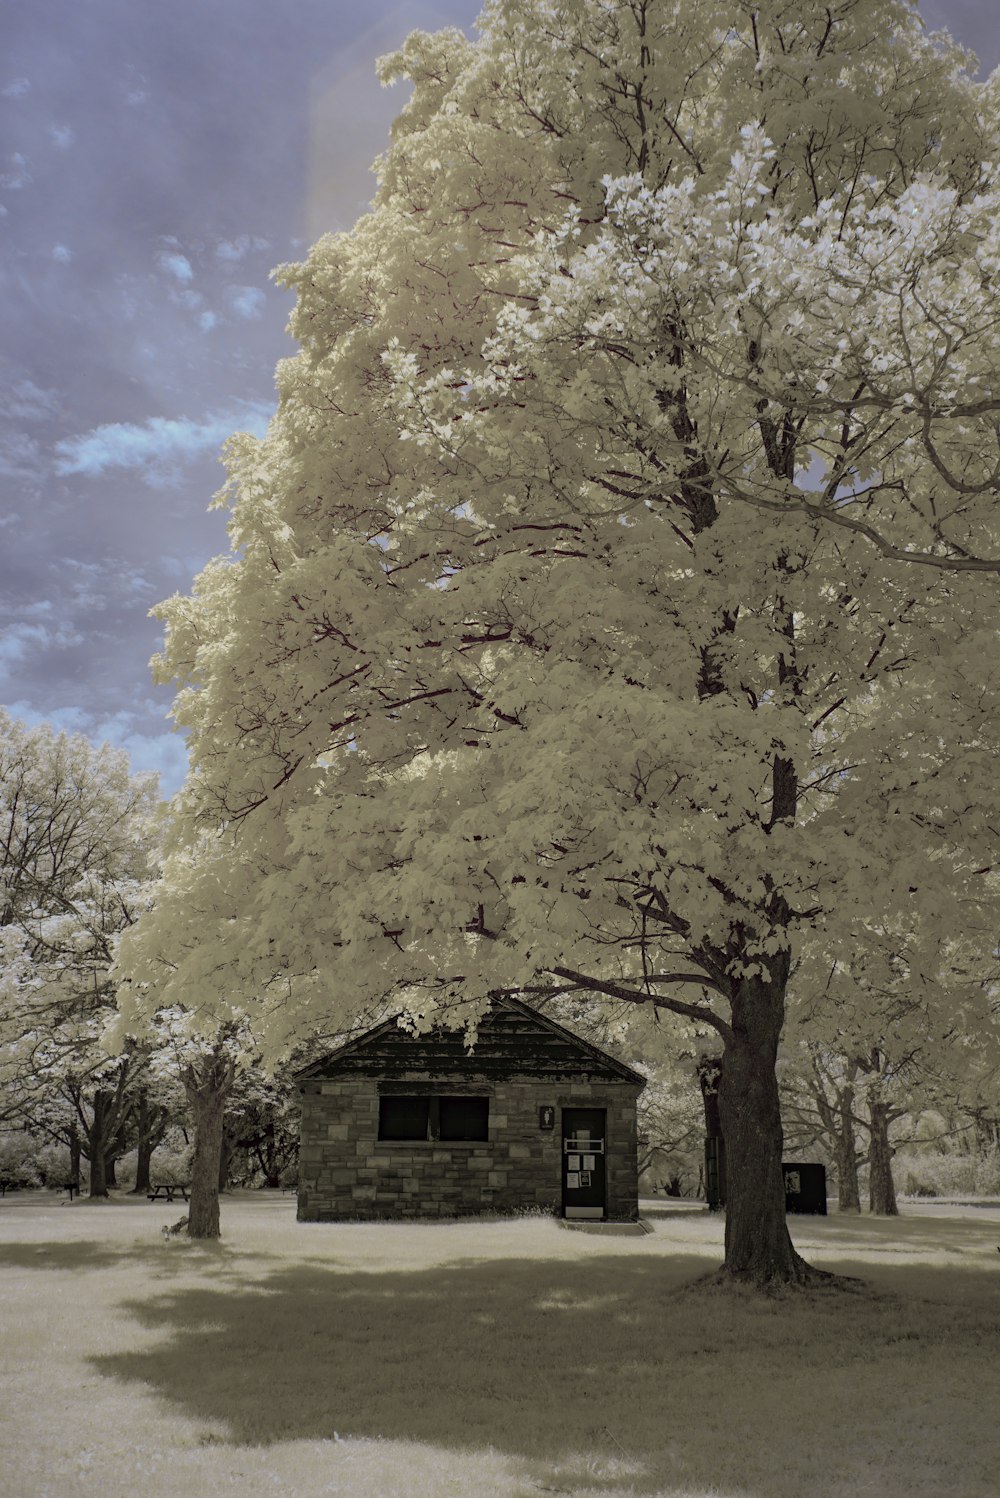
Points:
x=207 y=1085
x=881 y=1187
x=758 y=1247
x=848 y=1189
x=226 y=1153
x=143 y=1160
x=97 y=1143
x=98 y=1177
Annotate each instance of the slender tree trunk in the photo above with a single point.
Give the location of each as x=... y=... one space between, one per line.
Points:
x=758 y=1247
x=710 y=1076
x=111 y=1171
x=207 y=1084
x=75 y=1155
x=848 y=1189
x=149 y=1131
x=269 y=1159
x=881 y=1187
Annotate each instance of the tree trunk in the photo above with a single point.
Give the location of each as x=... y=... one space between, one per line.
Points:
x=710 y=1077
x=111 y=1171
x=758 y=1247
x=97 y=1143
x=226 y=1152
x=881 y=1188
x=207 y=1084
x=149 y=1131
x=268 y=1156
x=846 y=1159
x=143 y=1160
x=75 y=1155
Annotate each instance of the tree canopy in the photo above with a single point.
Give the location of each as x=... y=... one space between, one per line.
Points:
x=611 y=602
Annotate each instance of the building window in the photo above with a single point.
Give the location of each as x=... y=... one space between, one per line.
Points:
x=403 y=1117
x=463 y=1117
x=450 y=1119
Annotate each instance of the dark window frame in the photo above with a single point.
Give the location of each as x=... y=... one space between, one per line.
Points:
x=434 y=1101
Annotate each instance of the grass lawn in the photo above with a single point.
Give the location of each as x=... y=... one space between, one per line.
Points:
x=511 y=1357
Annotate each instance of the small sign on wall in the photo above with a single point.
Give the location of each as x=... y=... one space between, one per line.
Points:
x=546 y=1117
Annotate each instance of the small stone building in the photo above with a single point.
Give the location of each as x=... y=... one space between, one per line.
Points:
x=396 y=1125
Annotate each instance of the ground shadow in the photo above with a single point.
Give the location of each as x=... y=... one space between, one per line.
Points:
x=952 y=1238
x=609 y=1373
x=158 y=1255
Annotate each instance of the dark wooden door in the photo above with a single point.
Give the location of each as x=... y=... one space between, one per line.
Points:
x=584 y=1162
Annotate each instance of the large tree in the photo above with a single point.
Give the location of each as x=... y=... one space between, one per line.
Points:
x=610 y=605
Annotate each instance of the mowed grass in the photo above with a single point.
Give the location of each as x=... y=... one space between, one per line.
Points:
x=511 y=1357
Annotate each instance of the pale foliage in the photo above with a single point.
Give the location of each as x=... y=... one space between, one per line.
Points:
x=610 y=600
x=77 y=859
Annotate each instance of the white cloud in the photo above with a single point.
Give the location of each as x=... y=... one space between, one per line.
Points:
x=62 y=136
x=192 y=300
x=18 y=641
x=136 y=96
x=245 y=301
x=17 y=89
x=18 y=176
x=207 y=321
x=234 y=250
x=96 y=586
x=20 y=456
x=27 y=401
x=163 y=753
x=177 y=265
x=62 y=253
x=158 y=446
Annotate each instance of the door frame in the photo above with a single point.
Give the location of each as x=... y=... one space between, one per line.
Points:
x=574 y=1213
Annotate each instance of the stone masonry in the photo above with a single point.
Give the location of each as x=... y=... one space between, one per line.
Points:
x=346 y=1172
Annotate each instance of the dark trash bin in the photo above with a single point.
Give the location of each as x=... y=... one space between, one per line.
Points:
x=805 y=1187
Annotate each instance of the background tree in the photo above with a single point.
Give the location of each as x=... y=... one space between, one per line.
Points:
x=610 y=605
x=77 y=854
x=819 y=1106
x=260 y=1143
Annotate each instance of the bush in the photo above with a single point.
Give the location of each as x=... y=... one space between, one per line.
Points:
x=125 y=1171
x=171 y=1162
x=18 y=1154
x=927 y=1174
x=988 y=1173
x=54 y=1163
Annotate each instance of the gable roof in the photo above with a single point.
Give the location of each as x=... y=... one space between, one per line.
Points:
x=513 y=1040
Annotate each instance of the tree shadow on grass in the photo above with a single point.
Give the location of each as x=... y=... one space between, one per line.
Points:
x=158 y=1256
x=607 y=1374
x=896 y=1238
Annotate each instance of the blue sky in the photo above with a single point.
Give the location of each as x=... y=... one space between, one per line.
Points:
x=156 y=161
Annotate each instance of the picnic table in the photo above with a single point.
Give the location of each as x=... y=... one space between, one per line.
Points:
x=166 y=1189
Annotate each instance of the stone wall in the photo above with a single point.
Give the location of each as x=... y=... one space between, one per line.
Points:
x=346 y=1173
